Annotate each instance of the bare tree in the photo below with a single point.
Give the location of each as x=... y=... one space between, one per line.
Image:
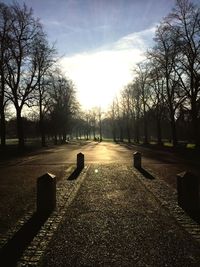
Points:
x=126 y=103
x=64 y=104
x=168 y=84
x=113 y=117
x=86 y=116
x=5 y=27
x=165 y=53
x=44 y=61
x=93 y=121
x=156 y=82
x=120 y=119
x=184 y=20
x=99 y=112
x=22 y=68
x=142 y=72
x=137 y=110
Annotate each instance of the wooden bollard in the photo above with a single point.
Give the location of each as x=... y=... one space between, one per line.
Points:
x=80 y=161
x=46 y=193
x=188 y=192
x=137 y=160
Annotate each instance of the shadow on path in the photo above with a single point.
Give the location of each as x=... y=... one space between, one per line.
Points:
x=13 y=250
x=74 y=174
x=194 y=215
x=146 y=174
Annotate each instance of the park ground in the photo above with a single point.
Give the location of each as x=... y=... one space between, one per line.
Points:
x=18 y=175
x=111 y=215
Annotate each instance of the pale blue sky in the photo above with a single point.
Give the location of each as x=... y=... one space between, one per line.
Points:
x=82 y=25
x=100 y=40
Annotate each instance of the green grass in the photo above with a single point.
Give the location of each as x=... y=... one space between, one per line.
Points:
x=168 y=144
x=153 y=142
x=13 y=141
x=191 y=146
x=28 y=141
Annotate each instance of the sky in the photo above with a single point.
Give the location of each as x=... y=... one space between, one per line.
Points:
x=99 y=41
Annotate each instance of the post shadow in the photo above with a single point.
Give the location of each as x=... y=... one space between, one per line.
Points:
x=137 y=163
x=194 y=215
x=74 y=174
x=11 y=252
x=79 y=167
x=145 y=173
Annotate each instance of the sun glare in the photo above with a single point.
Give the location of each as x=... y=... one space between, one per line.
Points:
x=99 y=76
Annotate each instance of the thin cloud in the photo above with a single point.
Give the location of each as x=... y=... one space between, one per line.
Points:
x=50 y=22
x=138 y=40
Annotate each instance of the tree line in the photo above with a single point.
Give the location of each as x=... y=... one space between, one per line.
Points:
x=163 y=100
x=88 y=124
x=30 y=78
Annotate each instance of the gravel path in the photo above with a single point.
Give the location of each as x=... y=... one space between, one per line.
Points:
x=115 y=221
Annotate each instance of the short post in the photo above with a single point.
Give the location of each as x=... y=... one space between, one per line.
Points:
x=80 y=161
x=188 y=192
x=137 y=160
x=46 y=193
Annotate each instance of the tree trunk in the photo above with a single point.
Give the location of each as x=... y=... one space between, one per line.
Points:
x=195 y=125
x=114 y=132
x=173 y=131
x=94 y=133
x=64 y=137
x=55 y=139
x=20 y=130
x=60 y=137
x=128 y=132
x=3 y=129
x=2 y=109
x=137 y=132
x=159 y=130
x=196 y=133
x=100 y=130
x=137 y=129
x=121 y=134
x=42 y=133
x=43 y=139
x=146 y=141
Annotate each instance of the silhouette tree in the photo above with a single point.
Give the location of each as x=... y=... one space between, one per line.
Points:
x=64 y=104
x=22 y=67
x=156 y=83
x=44 y=60
x=142 y=72
x=184 y=22
x=5 y=27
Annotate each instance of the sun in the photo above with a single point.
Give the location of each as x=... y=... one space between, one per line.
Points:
x=99 y=76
